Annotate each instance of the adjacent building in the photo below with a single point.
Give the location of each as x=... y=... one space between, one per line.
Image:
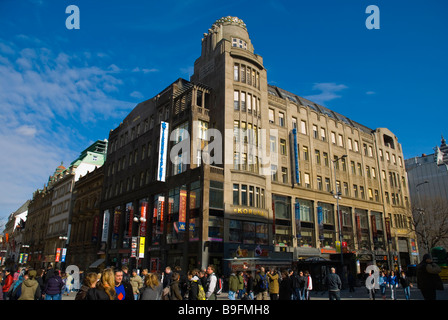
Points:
x=226 y=169
x=428 y=186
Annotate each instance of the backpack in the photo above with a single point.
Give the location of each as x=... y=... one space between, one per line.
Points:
x=263 y=284
x=218 y=289
x=201 y=292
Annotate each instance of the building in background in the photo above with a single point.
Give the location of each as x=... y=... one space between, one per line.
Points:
x=228 y=170
x=15 y=245
x=428 y=186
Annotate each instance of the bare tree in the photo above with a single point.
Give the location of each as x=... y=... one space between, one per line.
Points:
x=431 y=222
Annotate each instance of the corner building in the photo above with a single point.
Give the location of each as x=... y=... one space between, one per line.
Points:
x=268 y=197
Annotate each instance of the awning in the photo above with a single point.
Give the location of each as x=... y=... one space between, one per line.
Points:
x=96 y=263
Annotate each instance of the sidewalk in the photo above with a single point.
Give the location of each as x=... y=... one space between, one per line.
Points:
x=359 y=294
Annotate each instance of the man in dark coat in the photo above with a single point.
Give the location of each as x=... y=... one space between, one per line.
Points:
x=428 y=279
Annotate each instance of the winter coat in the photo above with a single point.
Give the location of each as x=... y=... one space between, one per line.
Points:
x=285 y=289
x=30 y=290
x=428 y=276
x=175 y=291
x=54 y=285
x=273 y=283
x=148 y=293
x=7 y=283
x=136 y=283
x=233 y=283
x=193 y=288
x=240 y=282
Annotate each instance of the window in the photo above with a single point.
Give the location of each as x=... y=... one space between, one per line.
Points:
x=216 y=196
x=327 y=185
x=317 y=155
x=350 y=144
x=273 y=143
x=236 y=72
x=271 y=116
x=315 y=134
x=294 y=123
x=236 y=100
x=319 y=183
x=303 y=127
x=323 y=134
x=284 y=175
x=236 y=194
x=305 y=153
x=340 y=140
x=273 y=172
x=283 y=146
x=243 y=101
x=244 y=195
x=251 y=196
x=326 y=160
x=307 y=180
x=333 y=137
x=238 y=43
x=281 y=119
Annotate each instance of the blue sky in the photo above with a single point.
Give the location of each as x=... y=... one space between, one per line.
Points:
x=61 y=89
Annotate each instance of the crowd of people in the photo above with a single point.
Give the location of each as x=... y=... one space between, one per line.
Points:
x=175 y=284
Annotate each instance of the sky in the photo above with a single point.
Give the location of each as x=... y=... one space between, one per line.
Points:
x=62 y=89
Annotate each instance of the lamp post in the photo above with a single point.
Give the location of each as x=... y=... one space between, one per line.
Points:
x=137 y=256
x=422 y=213
x=337 y=194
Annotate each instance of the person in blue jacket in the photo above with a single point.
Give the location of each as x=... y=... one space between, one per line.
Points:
x=392 y=284
x=382 y=282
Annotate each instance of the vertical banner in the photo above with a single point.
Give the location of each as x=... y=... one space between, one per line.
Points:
x=106 y=217
x=320 y=222
x=163 y=148
x=388 y=233
x=141 y=250
x=130 y=218
x=58 y=255
x=182 y=209
x=358 y=229
x=116 y=227
x=134 y=247
x=143 y=215
x=160 y=213
x=374 y=230
x=297 y=218
x=95 y=228
x=64 y=254
x=295 y=155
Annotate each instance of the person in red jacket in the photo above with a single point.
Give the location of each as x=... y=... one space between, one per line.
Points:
x=7 y=284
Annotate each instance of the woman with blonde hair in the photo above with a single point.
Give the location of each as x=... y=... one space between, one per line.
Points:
x=105 y=288
x=152 y=289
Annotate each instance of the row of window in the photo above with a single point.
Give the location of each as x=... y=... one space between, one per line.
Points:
x=336 y=139
x=247 y=195
x=245 y=74
x=246 y=102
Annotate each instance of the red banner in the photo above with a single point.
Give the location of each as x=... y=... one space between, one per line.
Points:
x=58 y=255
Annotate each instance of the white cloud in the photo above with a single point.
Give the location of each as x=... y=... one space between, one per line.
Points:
x=48 y=102
x=328 y=92
x=370 y=92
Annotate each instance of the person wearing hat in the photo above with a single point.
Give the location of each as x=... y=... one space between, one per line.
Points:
x=428 y=279
x=30 y=287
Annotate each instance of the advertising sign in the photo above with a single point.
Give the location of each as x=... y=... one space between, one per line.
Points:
x=163 y=148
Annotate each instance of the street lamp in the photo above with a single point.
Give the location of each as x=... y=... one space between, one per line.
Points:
x=337 y=194
x=422 y=213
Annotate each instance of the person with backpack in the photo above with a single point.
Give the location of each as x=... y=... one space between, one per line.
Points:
x=195 y=288
x=212 y=283
x=261 y=285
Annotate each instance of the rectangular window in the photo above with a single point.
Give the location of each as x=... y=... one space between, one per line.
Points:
x=244 y=195
x=303 y=127
x=236 y=72
x=283 y=146
x=243 y=101
x=236 y=100
x=236 y=194
x=284 y=175
x=271 y=116
x=281 y=119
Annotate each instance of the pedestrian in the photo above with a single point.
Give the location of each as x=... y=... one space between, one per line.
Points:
x=194 y=286
x=7 y=283
x=175 y=293
x=240 y=285
x=392 y=281
x=90 y=281
x=69 y=283
x=152 y=288
x=14 y=292
x=233 y=286
x=285 y=286
x=182 y=280
x=249 y=285
x=53 y=285
x=334 y=285
x=382 y=282
x=136 y=283
x=308 y=285
x=126 y=275
x=123 y=289
x=166 y=281
x=406 y=284
x=273 y=284
x=212 y=283
x=302 y=287
x=428 y=279
x=105 y=287
x=30 y=287
x=295 y=283
x=261 y=285
x=370 y=285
